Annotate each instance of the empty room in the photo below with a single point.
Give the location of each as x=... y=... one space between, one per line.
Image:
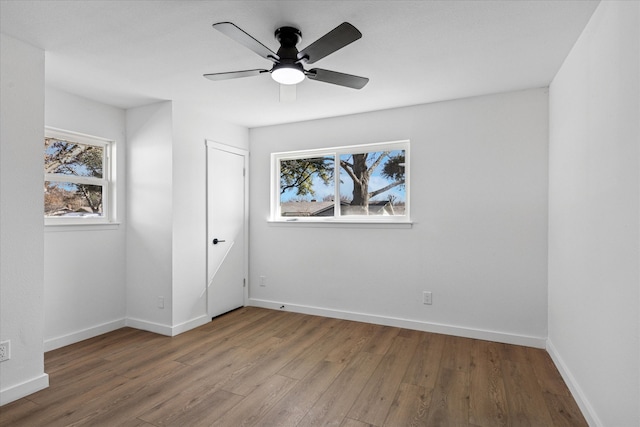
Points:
x=340 y=213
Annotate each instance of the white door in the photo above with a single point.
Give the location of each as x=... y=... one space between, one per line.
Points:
x=226 y=228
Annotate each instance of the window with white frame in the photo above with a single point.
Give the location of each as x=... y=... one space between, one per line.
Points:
x=77 y=178
x=362 y=183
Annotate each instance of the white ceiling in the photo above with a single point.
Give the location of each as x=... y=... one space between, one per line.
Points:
x=130 y=53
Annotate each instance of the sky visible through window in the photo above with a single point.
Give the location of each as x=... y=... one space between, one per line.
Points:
x=377 y=180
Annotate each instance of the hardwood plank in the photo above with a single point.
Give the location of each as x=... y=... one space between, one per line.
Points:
x=59 y=393
x=96 y=346
x=381 y=339
x=294 y=322
x=14 y=412
x=335 y=402
x=305 y=361
x=83 y=367
x=425 y=365
x=221 y=339
x=564 y=411
x=236 y=363
x=487 y=395
x=377 y=396
x=456 y=353
x=213 y=344
x=202 y=411
x=145 y=343
x=290 y=410
x=350 y=422
x=232 y=321
x=450 y=401
x=117 y=406
x=243 y=314
x=196 y=384
x=215 y=372
x=255 y=333
x=136 y=422
x=252 y=408
x=546 y=372
x=419 y=381
x=177 y=348
x=410 y=407
x=143 y=361
x=352 y=343
x=285 y=349
x=524 y=397
x=71 y=409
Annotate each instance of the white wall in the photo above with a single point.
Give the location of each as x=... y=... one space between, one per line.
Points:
x=479 y=238
x=84 y=266
x=149 y=216
x=191 y=128
x=166 y=222
x=594 y=214
x=21 y=224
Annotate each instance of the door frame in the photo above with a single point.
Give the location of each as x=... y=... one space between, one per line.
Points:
x=214 y=145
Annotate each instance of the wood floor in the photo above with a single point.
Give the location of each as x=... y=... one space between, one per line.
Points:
x=258 y=367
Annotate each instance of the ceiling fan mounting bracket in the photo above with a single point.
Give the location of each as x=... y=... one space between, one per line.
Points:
x=288 y=36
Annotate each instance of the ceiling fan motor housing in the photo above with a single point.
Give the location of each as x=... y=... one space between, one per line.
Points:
x=288 y=37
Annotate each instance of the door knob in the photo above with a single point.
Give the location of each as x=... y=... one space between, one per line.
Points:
x=216 y=241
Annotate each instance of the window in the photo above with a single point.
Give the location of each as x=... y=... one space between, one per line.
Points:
x=364 y=183
x=77 y=172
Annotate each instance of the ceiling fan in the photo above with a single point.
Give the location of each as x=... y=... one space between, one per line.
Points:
x=288 y=62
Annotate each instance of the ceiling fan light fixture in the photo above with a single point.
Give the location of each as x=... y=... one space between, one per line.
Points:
x=287 y=74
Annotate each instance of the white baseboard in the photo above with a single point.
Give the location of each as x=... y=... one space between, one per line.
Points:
x=170 y=331
x=94 y=331
x=21 y=390
x=145 y=325
x=191 y=324
x=502 y=337
x=167 y=330
x=583 y=403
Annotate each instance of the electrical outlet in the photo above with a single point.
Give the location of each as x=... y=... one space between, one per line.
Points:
x=263 y=281
x=160 y=302
x=426 y=297
x=5 y=350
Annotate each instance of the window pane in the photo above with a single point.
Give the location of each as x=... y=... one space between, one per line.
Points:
x=372 y=183
x=63 y=199
x=307 y=187
x=72 y=158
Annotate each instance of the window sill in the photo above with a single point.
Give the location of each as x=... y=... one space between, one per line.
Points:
x=340 y=224
x=96 y=226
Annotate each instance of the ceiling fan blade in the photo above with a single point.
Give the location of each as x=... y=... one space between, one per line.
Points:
x=336 y=78
x=335 y=39
x=234 y=74
x=234 y=32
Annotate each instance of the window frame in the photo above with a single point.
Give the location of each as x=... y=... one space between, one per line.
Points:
x=336 y=152
x=106 y=182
